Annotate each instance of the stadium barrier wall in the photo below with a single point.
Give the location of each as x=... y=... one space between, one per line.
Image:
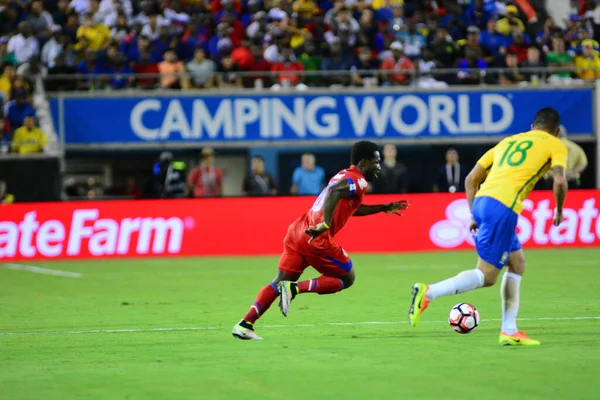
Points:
x=256 y=226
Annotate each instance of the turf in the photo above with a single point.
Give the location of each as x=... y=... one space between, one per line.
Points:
x=352 y=345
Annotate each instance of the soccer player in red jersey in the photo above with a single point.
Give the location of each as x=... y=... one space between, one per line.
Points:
x=310 y=240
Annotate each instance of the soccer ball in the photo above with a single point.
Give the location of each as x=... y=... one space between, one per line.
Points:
x=463 y=318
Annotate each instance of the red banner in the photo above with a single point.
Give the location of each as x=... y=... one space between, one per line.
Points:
x=254 y=226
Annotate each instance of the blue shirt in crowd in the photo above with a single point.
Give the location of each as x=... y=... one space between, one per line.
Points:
x=309 y=182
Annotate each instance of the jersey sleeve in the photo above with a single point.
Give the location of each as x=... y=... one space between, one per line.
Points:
x=559 y=154
x=487 y=160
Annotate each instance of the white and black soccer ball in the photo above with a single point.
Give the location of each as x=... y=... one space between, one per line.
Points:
x=463 y=318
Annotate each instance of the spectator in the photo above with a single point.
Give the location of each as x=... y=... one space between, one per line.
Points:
x=5 y=56
x=366 y=62
x=5 y=139
x=466 y=75
x=397 y=62
x=96 y=34
x=40 y=21
x=9 y=18
x=336 y=62
x=228 y=73
x=491 y=39
x=544 y=38
x=451 y=176
x=152 y=29
x=286 y=71
x=53 y=47
x=311 y=61
x=242 y=56
x=345 y=27
x=260 y=65
x=61 y=14
x=559 y=58
x=504 y=24
x=511 y=75
x=32 y=68
x=413 y=41
x=121 y=77
x=206 y=180
x=201 y=70
x=520 y=45
x=478 y=14
x=221 y=42
x=533 y=61
x=5 y=197
x=425 y=66
x=23 y=45
x=72 y=27
x=257 y=29
x=17 y=109
x=60 y=68
x=588 y=64
x=29 y=139
x=473 y=42
x=577 y=161
x=304 y=8
x=308 y=179
x=170 y=71
x=146 y=66
x=90 y=66
x=393 y=177
x=131 y=189
x=169 y=177
x=163 y=42
x=445 y=50
x=259 y=182
x=121 y=29
x=6 y=79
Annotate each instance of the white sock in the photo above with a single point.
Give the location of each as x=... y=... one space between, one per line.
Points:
x=509 y=290
x=461 y=283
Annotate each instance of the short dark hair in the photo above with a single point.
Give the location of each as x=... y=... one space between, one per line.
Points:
x=363 y=150
x=547 y=119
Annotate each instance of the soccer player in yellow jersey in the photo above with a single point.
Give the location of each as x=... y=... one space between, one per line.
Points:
x=510 y=171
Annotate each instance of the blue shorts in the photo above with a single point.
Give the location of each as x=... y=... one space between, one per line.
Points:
x=496 y=237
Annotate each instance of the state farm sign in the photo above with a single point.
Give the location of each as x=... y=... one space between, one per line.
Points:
x=581 y=225
x=256 y=226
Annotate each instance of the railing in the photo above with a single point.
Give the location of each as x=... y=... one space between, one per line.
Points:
x=368 y=78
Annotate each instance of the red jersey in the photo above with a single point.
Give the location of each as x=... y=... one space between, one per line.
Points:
x=298 y=240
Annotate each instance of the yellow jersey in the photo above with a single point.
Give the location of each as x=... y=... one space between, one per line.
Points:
x=27 y=141
x=516 y=164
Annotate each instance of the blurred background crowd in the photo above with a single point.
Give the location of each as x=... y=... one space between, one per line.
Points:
x=220 y=43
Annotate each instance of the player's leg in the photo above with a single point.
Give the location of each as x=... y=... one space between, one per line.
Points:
x=291 y=266
x=337 y=275
x=510 y=293
x=494 y=239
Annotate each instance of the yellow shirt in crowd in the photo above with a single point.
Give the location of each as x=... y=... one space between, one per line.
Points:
x=97 y=35
x=27 y=141
x=503 y=26
x=377 y=4
x=5 y=86
x=517 y=163
x=588 y=69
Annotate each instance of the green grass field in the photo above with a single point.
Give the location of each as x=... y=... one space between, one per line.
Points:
x=160 y=329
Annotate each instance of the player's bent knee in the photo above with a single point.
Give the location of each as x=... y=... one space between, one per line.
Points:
x=516 y=263
x=348 y=279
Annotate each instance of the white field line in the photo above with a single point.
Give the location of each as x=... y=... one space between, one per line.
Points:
x=215 y=328
x=38 y=270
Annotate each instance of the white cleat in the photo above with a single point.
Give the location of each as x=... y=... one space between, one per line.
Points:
x=243 y=333
x=285 y=296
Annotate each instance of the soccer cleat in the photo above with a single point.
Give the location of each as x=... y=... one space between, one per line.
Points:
x=244 y=331
x=419 y=303
x=517 y=339
x=287 y=292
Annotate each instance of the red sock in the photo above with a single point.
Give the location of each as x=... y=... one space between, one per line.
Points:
x=265 y=298
x=322 y=285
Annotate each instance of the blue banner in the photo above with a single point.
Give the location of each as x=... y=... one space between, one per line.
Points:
x=295 y=117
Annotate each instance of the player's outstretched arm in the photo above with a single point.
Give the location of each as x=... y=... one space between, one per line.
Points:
x=560 y=188
x=390 y=208
x=336 y=192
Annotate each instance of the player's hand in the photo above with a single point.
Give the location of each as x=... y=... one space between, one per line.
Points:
x=315 y=231
x=394 y=206
x=473 y=227
x=558 y=217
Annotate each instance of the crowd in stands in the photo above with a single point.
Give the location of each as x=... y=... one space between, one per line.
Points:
x=232 y=43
